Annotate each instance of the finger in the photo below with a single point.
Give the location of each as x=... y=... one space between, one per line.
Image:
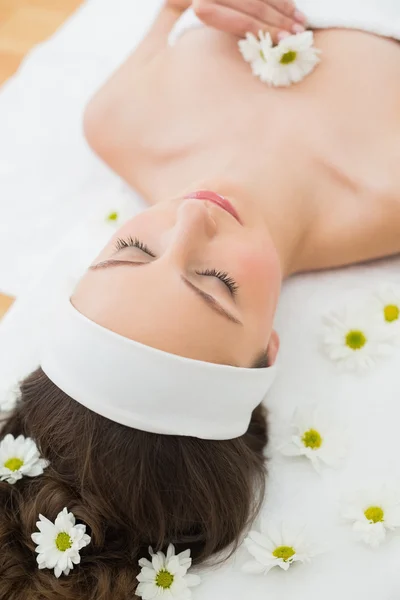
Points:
x=263 y=12
x=288 y=8
x=232 y=21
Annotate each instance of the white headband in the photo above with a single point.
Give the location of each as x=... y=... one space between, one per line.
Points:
x=148 y=389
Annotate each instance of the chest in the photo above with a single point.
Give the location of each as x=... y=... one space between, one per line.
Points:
x=200 y=98
x=197 y=111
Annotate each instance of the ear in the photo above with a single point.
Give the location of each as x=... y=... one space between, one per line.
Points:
x=273 y=347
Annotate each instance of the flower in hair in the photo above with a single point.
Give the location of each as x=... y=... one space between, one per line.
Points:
x=59 y=543
x=288 y=62
x=277 y=546
x=166 y=575
x=19 y=457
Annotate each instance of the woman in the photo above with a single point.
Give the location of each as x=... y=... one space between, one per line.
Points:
x=249 y=185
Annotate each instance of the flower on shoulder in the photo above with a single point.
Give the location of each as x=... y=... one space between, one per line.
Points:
x=165 y=575
x=59 y=543
x=373 y=513
x=276 y=546
x=355 y=340
x=315 y=436
x=19 y=457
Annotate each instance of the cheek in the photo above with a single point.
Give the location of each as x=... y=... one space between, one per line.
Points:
x=259 y=272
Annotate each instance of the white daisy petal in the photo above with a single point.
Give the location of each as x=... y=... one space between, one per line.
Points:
x=372 y=534
x=373 y=512
x=384 y=304
x=192 y=580
x=18 y=458
x=118 y=214
x=249 y=48
x=254 y=568
x=9 y=397
x=355 y=340
x=291 y=60
x=285 y=546
x=316 y=436
x=58 y=544
x=166 y=576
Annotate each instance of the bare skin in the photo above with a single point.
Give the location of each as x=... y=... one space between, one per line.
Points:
x=320 y=158
x=313 y=171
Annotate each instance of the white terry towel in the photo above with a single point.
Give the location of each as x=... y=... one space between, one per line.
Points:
x=376 y=16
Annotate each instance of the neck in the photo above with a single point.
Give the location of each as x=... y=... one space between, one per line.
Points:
x=287 y=213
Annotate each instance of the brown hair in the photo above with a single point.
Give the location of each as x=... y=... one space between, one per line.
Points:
x=131 y=488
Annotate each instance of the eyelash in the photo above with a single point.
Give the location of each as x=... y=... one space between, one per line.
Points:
x=135 y=243
x=222 y=275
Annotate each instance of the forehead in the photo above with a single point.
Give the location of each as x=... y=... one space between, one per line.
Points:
x=152 y=305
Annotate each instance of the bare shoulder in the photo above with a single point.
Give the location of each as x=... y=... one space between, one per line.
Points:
x=356 y=229
x=117 y=107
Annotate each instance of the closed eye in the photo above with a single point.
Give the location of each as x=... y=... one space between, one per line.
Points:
x=224 y=277
x=131 y=242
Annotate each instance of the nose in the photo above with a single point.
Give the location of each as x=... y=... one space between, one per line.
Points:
x=194 y=227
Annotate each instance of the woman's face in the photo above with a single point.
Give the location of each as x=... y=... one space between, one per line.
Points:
x=186 y=277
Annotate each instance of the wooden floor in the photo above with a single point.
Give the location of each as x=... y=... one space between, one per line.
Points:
x=23 y=24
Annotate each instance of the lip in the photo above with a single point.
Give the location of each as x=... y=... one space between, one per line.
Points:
x=215 y=199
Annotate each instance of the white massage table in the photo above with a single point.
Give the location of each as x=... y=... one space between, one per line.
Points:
x=54 y=194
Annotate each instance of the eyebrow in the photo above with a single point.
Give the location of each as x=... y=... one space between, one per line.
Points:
x=209 y=300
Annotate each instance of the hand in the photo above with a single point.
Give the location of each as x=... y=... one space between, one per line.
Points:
x=179 y=4
x=279 y=17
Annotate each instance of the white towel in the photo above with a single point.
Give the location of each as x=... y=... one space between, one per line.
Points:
x=377 y=16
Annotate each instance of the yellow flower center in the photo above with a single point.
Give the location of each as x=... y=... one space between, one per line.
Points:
x=284 y=552
x=355 y=339
x=13 y=464
x=374 y=514
x=312 y=439
x=113 y=216
x=392 y=313
x=63 y=541
x=164 y=579
x=289 y=57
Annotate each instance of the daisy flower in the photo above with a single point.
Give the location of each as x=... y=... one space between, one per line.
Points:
x=250 y=47
x=257 y=52
x=18 y=458
x=385 y=304
x=294 y=58
x=355 y=340
x=288 y=62
x=277 y=546
x=59 y=543
x=117 y=215
x=315 y=436
x=373 y=513
x=166 y=575
x=9 y=398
